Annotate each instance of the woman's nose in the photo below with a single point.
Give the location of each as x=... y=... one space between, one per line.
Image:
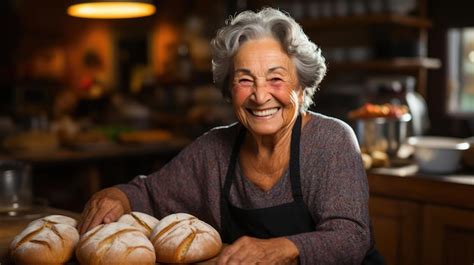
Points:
x=260 y=94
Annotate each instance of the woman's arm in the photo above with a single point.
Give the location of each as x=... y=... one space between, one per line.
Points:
x=335 y=190
x=180 y=186
x=189 y=183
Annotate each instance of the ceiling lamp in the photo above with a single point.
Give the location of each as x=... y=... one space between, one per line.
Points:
x=111 y=8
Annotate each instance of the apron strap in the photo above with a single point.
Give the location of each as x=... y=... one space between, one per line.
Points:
x=233 y=161
x=226 y=222
x=295 y=160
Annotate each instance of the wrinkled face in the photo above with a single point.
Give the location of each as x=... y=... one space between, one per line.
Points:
x=265 y=89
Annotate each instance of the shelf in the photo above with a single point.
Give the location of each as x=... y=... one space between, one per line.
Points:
x=351 y=21
x=396 y=64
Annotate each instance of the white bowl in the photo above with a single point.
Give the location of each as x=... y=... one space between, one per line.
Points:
x=438 y=154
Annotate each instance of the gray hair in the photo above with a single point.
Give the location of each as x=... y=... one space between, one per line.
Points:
x=269 y=22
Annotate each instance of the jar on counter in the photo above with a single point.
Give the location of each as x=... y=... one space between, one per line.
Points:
x=15 y=186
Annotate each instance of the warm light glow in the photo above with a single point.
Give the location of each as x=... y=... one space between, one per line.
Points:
x=111 y=10
x=471 y=56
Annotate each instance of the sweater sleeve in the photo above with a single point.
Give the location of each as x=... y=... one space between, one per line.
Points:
x=175 y=181
x=185 y=184
x=338 y=201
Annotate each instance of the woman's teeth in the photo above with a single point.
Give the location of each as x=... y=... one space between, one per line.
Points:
x=265 y=112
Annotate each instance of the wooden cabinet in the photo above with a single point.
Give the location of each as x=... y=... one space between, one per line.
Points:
x=396 y=224
x=448 y=236
x=423 y=219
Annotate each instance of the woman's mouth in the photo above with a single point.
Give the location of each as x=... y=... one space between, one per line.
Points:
x=264 y=112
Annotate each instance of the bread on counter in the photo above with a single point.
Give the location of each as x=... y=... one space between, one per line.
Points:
x=144 y=222
x=115 y=243
x=145 y=136
x=183 y=238
x=32 y=141
x=49 y=240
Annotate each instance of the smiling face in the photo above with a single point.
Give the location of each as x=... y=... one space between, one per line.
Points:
x=265 y=89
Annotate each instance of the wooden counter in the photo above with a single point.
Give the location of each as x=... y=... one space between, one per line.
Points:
x=63 y=155
x=455 y=190
x=423 y=219
x=66 y=178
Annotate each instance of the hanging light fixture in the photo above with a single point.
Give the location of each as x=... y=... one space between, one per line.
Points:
x=111 y=9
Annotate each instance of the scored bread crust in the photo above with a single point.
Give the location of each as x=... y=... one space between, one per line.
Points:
x=183 y=238
x=49 y=240
x=146 y=223
x=115 y=243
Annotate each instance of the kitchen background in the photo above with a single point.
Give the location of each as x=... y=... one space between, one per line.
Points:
x=46 y=53
x=89 y=103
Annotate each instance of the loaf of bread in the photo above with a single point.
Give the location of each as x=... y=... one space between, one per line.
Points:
x=145 y=136
x=49 y=240
x=115 y=243
x=182 y=238
x=380 y=159
x=142 y=221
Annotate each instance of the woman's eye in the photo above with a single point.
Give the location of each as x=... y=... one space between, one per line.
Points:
x=276 y=80
x=245 y=82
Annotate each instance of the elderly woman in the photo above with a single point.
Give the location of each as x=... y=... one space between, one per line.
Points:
x=283 y=184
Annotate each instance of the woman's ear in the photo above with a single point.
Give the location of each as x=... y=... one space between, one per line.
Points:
x=301 y=94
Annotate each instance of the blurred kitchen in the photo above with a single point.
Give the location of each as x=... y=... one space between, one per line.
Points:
x=86 y=103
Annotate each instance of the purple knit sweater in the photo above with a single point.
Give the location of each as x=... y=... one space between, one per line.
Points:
x=333 y=182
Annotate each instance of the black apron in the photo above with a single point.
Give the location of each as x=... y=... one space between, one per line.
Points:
x=276 y=221
x=281 y=220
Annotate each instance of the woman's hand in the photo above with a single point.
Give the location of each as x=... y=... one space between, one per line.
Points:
x=105 y=206
x=248 y=250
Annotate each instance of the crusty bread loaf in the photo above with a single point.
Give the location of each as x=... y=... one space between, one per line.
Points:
x=182 y=238
x=49 y=240
x=115 y=243
x=142 y=221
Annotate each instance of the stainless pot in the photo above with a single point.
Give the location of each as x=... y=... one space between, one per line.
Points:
x=15 y=186
x=382 y=134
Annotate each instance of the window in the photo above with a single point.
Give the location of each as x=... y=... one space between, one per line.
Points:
x=461 y=71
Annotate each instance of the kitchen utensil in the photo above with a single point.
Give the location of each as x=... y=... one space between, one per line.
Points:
x=400 y=90
x=15 y=186
x=438 y=154
x=382 y=134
